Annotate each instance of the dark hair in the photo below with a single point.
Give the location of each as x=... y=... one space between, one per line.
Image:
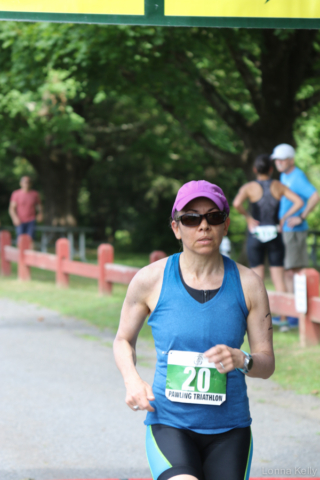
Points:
x=263 y=163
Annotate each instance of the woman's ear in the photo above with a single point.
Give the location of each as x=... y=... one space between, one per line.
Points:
x=175 y=229
x=226 y=226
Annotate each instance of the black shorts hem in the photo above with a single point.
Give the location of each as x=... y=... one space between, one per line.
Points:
x=253 y=265
x=257 y=251
x=182 y=470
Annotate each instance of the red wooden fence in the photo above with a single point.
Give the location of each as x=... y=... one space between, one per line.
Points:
x=107 y=273
x=309 y=323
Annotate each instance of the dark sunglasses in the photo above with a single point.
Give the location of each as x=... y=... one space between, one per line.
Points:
x=195 y=219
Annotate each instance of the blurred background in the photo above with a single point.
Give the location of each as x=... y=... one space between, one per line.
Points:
x=109 y=121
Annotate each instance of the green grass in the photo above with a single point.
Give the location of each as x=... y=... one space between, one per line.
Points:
x=296 y=368
x=80 y=300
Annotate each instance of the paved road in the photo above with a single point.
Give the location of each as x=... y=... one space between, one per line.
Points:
x=63 y=416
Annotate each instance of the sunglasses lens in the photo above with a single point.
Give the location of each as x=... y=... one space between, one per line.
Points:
x=190 y=220
x=194 y=220
x=216 y=218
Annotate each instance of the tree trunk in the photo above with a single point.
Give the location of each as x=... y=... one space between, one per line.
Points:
x=60 y=175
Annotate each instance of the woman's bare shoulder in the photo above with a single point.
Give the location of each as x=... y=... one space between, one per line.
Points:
x=252 y=285
x=147 y=279
x=277 y=189
x=248 y=277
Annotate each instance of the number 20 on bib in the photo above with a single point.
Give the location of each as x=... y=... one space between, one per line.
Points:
x=192 y=379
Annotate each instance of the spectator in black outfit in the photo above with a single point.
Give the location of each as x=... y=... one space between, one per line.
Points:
x=264 y=226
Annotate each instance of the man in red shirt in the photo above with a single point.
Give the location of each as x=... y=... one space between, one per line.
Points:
x=25 y=208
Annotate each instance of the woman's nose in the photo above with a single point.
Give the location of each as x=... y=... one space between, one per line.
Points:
x=204 y=224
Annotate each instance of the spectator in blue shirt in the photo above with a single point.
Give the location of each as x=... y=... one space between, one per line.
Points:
x=295 y=229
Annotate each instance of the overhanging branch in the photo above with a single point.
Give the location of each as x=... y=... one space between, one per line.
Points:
x=227 y=158
x=246 y=74
x=232 y=118
x=200 y=138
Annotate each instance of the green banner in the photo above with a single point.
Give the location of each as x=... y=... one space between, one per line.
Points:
x=211 y=13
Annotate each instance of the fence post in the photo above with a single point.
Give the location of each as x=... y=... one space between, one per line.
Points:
x=156 y=255
x=309 y=331
x=62 y=253
x=5 y=240
x=105 y=255
x=24 y=243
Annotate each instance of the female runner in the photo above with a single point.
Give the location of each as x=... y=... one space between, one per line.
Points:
x=201 y=304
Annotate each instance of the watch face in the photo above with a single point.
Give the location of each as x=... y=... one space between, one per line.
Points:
x=248 y=362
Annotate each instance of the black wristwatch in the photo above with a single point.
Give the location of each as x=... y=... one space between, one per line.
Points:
x=302 y=219
x=247 y=364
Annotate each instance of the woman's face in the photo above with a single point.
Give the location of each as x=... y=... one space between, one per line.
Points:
x=203 y=239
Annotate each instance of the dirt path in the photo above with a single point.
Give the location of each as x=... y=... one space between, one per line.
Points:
x=63 y=416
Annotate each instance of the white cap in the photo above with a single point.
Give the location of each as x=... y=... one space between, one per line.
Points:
x=282 y=152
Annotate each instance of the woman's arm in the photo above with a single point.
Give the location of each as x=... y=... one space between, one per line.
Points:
x=259 y=326
x=134 y=312
x=259 y=329
x=240 y=198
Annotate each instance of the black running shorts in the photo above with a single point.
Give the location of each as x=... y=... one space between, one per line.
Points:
x=173 y=451
x=257 y=251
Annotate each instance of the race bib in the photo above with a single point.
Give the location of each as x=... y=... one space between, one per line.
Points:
x=265 y=233
x=192 y=379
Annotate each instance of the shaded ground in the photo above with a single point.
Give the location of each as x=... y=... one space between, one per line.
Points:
x=63 y=416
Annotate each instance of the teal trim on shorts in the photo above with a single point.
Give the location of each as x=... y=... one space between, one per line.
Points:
x=247 y=473
x=157 y=461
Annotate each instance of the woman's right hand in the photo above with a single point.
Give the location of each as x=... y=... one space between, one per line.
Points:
x=252 y=223
x=139 y=394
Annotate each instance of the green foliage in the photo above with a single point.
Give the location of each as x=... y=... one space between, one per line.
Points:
x=123 y=239
x=126 y=110
x=308 y=155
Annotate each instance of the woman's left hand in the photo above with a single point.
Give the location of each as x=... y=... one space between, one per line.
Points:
x=225 y=358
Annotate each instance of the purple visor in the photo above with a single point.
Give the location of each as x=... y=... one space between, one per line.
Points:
x=200 y=188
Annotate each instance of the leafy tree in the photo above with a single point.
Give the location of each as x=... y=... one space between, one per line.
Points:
x=114 y=118
x=62 y=124
x=235 y=92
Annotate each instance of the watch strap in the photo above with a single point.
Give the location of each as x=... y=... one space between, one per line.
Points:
x=242 y=370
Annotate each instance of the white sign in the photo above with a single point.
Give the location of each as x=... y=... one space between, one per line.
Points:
x=300 y=292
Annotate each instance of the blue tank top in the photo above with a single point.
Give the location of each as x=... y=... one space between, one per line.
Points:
x=181 y=323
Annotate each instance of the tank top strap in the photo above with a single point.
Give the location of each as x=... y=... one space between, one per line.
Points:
x=233 y=283
x=170 y=279
x=266 y=185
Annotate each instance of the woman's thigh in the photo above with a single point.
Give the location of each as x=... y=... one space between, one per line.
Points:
x=255 y=251
x=228 y=455
x=276 y=252
x=172 y=452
